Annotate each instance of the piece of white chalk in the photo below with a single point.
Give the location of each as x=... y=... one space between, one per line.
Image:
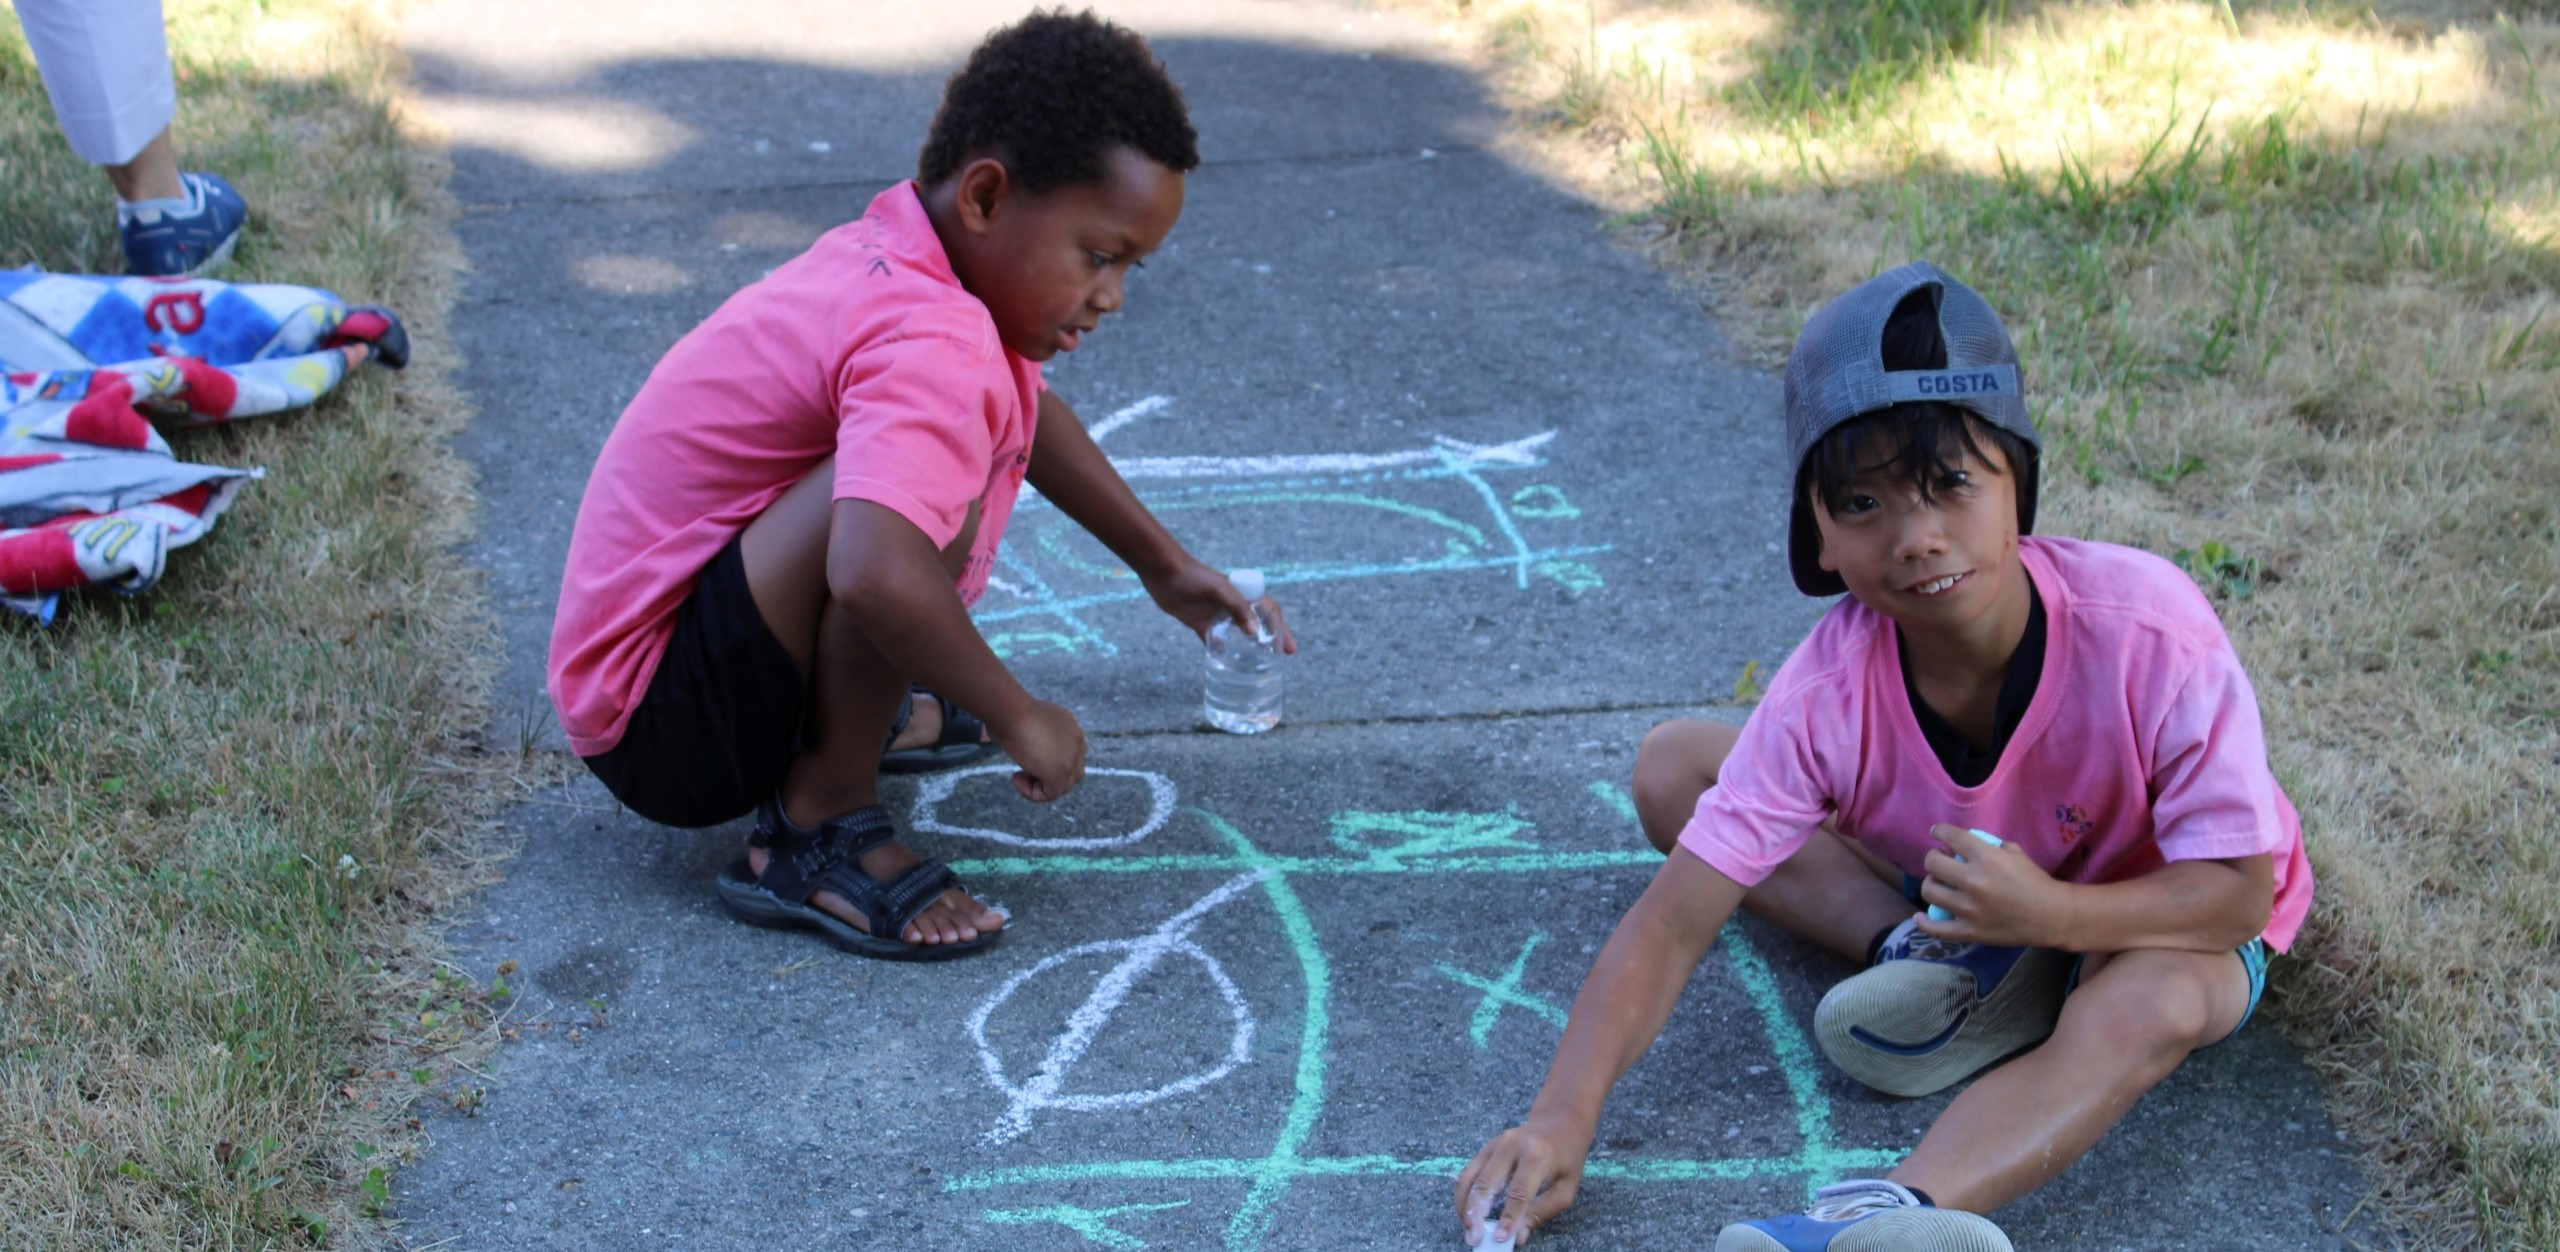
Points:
x=1937 y=914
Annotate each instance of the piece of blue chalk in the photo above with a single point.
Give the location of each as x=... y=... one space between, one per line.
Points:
x=1937 y=914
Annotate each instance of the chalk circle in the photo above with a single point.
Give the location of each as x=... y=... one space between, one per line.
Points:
x=1040 y=1092
x=938 y=788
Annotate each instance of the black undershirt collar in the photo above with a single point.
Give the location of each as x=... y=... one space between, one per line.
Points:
x=1968 y=765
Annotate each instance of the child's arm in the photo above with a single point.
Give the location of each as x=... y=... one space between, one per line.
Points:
x=1072 y=472
x=2000 y=896
x=887 y=575
x=1536 y=1167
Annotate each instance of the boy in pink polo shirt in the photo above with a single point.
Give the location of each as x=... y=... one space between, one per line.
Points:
x=2077 y=700
x=790 y=521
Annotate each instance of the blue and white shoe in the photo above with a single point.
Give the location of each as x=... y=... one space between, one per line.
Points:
x=1866 y=1215
x=183 y=237
x=1931 y=1013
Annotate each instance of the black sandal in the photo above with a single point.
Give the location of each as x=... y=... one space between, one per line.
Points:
x=803 y=862
x=961 y=741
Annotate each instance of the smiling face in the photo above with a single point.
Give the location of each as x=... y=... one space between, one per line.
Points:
x=1049 y=265
x=1937 y=562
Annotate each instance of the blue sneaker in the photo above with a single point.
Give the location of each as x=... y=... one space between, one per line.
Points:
x=1931 y=1013
x=1866 y=1215
x=164 y=240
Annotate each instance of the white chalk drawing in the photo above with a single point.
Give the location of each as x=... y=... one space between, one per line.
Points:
x=937 y=788
x=1140 y=411
x=1442 y=451
x=1424 y=509
x=1045 y=1089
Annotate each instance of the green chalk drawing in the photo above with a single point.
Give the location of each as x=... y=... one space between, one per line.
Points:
x=1823 y=1162
x=1016 y=645
x=1542 y=501
x=1501 y=516
x=1504 y=991
x=1420 y=842
x=1091 y=1223
x=1046 y=575
x=1617 y=799
x=1570 y=575
x=1253 y=1217
x=1428 y=834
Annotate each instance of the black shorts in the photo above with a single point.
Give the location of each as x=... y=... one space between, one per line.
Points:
x=721 y=719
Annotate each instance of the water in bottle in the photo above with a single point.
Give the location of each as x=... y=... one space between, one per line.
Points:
x=1244 y=669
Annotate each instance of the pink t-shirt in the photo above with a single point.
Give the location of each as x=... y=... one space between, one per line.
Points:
x=866 y=348
x=2142 y=745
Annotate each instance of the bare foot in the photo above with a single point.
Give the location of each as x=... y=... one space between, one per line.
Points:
x=954 y=918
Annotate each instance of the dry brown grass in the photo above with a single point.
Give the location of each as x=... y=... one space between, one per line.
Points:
x=226 y=806
x=2284 y=281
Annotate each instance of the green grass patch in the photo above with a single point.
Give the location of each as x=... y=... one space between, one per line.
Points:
x=226 y=805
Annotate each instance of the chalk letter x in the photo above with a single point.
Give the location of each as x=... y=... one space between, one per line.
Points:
x=1505 y=990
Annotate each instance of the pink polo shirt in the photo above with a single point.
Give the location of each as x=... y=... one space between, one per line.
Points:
x=866 y=348
x=2142 y=745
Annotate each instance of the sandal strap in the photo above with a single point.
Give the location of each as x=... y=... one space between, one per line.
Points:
x=889 y=906
x=959 y=725
x=802 y=859
x=906 y=713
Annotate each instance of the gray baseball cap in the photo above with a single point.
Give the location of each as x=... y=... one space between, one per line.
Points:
x=1836 y=374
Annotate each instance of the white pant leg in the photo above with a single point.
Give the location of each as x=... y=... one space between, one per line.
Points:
x=106 y=65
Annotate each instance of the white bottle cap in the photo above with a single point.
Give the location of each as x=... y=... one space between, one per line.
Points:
x=1248 y=582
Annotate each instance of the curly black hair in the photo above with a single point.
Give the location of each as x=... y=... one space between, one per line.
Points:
x=1051 y=96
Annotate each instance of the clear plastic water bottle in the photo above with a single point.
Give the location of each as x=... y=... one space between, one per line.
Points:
x=1244 y=670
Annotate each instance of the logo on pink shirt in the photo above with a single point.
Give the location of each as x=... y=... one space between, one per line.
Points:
x=2073 y=821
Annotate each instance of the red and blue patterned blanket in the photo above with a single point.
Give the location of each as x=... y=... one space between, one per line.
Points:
x=89 y=490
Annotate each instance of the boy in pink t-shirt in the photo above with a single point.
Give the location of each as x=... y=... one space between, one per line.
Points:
x=786 y=528
x=2079 y=701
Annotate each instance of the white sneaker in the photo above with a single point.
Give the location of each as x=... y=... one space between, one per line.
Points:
x=1931 y=1013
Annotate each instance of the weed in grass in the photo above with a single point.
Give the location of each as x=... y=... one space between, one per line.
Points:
x=2169 y=474
x=1691 y=199
x=1584 y=97
x=1747 y=689
x=2528 y=347
x=2222 y=574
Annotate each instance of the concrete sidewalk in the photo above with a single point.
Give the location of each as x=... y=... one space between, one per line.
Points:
x=1520 y=505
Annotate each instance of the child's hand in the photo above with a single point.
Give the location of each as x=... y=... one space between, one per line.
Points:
x=1048 y=746
x=1197 y=595
x=1998 y=896
x=1534 y=1169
